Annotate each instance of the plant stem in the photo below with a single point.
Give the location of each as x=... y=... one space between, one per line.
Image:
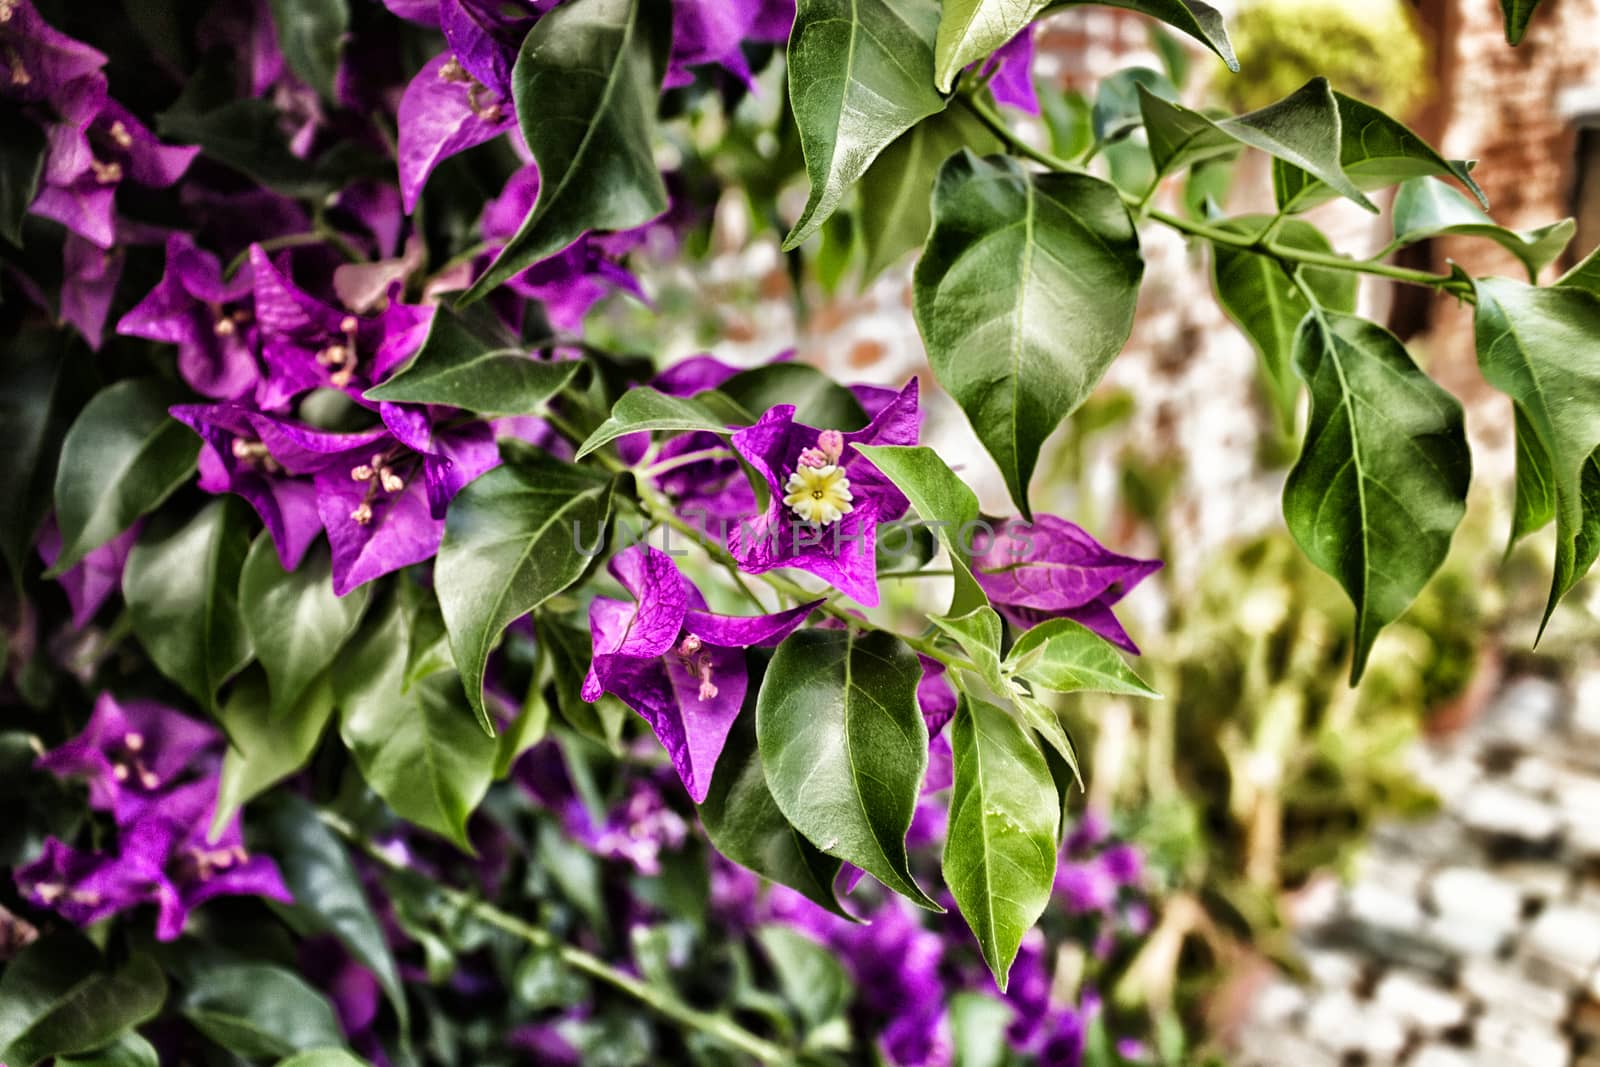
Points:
x=663 y=1002
x=1261 y=244
x=685 y=460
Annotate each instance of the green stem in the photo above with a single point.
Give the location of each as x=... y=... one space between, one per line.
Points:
x=1262 y=243
x=684 y=460
x=661 y=1001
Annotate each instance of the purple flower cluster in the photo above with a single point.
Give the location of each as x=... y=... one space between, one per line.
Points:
x=156 y=772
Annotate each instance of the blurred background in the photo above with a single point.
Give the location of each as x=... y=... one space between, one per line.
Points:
x=1406 y=872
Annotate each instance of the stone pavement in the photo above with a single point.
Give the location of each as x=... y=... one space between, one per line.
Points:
x=1471 y=939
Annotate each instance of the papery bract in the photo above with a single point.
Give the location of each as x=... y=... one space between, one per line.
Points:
x=841 y=552
x=1051 y=568
x=675 y=663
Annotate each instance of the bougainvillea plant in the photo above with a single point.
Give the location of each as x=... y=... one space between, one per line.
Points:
x=338 y=554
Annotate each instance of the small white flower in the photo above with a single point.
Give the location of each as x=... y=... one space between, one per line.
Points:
x=819 y=495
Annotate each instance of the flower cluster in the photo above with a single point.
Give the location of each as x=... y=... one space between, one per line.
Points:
x=156 y=772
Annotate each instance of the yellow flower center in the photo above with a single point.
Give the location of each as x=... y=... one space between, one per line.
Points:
x=819 y=495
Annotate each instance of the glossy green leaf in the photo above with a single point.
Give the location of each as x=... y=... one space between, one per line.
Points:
x=978 y=633
x=182 y=590
x=898 y=187
x=1199 y=20
x=1068 y=657
x=469 y=360
x=22 y=152
x=1267 y=306
x=1381 y=481
x=745 y=824
x=417 y=745
x=1117 y=101
x=128 y=1050
x=1024 y=295
x=860 y=75
x=644 y=410
x=1302 y=133
x=311 y=35
x=818 y=400
x=122 y=457
x=809 y=975
x=1000 y=850
x=1375 y=152
x=1518 y=13
x=1047 y=723
x=60 y=997
x=46 y=376
x=1426 y=207
x=256 y=1010
x=327 y=891
x=266 y=743
x=940 y=498
x=1537 y=345
x=586 y=84
x=969 y=30
x=1179 y=137
x=297 y=626
x=845 y=747
x=513 y=539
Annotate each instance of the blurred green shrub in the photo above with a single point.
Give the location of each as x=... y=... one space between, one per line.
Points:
x=1367 y=48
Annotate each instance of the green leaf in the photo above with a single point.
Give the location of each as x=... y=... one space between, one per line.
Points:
x=122 y=457
x=47 y=376
x=182 y=590
x=643 y=409
x=818 y=400
x=1374 y=152
x=1517 y=15
x=586 y=85
x=1044 y=720
x=323 y=1057
x=22 y=152
x=512 y=541
x=1381 y=481
x=810 y=976
x=469 y=360
x=1068 y=657
x=59 y=997
x=128 y=1050
x=1024 y=295
x=1302 y=132
x=266 y=743
x=978 y=632
x=297 y=626
x=941 y=499
x=327 y=892
x=1000 y=851
x=569 y=651
x=1267 y=306
x=256 y=1010
x=1425 y=207
x=311 y=34
x=969 y=30
x=418 y=746
x=898 y=187
x=1199 y=20
x=845 y=747
x=860 y=75
x=1179 y=137
x=1117 y=110
x=745 y=824
x=1537 y=345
